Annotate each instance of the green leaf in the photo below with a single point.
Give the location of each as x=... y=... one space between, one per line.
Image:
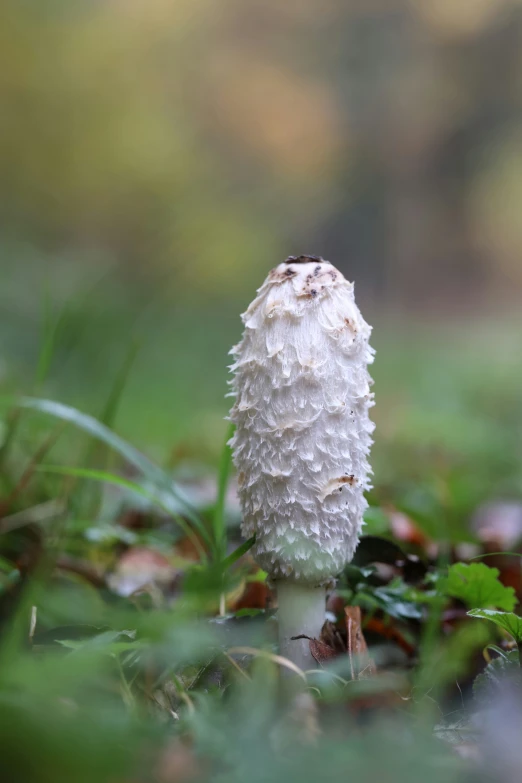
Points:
x=478 y=586
x=488 y=683
x=111 y=642
x=249 y=612
x=396 y=599
x=508 y=621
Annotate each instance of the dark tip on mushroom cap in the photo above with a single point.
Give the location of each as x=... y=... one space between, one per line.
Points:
x=305 y=260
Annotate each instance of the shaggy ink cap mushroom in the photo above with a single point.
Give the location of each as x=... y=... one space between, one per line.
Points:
x=303 y=431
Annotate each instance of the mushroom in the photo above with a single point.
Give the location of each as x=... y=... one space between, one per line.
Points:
x=302 y=437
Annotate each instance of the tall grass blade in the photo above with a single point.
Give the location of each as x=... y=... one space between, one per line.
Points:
x=234 y=556
x=52 y=325
x=119 y=481
x=97 y=452
x=97 y=430
x=27 y=474
x=218 y=518
x=108 y=415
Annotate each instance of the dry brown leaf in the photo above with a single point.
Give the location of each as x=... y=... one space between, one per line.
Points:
x=389 y=631
x=139 y=567
x=321 y=651
x=255 y=595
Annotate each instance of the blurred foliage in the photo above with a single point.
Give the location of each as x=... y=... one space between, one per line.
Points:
x=139 y=655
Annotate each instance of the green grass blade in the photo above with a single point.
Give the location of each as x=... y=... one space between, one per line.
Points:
x=97 y=452
x=52 y=325
x=112 y=405
x=218 y=519
x=11 y=429
x=234 y=556
x=32 y=466
x=97 y=430
x=119 y=481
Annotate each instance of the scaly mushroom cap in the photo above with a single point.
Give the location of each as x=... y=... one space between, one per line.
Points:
x=303 y=432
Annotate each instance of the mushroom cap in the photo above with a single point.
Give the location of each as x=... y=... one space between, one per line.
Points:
x=303 y=432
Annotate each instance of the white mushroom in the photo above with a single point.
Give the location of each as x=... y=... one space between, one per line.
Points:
x=303 y=435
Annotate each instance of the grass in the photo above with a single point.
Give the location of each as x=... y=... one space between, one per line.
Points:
x=179 y=680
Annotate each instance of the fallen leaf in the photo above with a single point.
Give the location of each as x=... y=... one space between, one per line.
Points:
x=321 y=652
x=256 y=595
x=388 y=631
x=139 y=567
x=499 y=524
x=333 y=637
x=405 y=529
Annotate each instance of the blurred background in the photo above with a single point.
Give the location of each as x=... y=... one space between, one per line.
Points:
x=158 y=158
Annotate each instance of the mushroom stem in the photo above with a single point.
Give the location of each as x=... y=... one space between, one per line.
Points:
x=302 y=609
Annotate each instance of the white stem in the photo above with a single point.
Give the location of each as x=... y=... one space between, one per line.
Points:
x=302 y=610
